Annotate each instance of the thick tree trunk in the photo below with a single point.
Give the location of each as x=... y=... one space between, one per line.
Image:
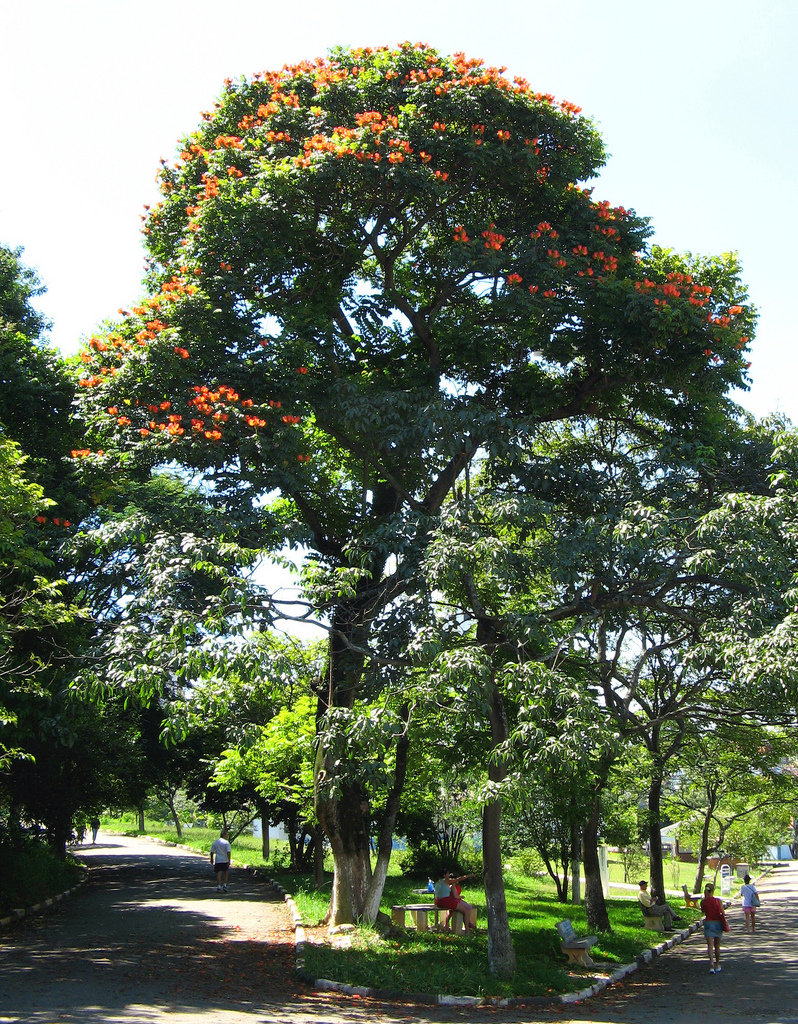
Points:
x=657 y=880
x=595 y=906
x=501 y=955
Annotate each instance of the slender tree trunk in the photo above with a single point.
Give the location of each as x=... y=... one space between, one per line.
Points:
x=595 y=905
x=318 y=860
x=263 y=814
x=501 y=955
x=576 y=881
x=703 y=851
x=141 y=818
x=170 y=799
x=655 y=866
x=385 y=837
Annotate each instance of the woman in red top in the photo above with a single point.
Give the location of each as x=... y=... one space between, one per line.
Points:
x=714 y=926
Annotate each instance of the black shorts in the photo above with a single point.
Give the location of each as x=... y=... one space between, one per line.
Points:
x=221 y=867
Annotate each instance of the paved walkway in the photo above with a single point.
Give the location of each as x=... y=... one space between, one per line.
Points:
x=148 y=941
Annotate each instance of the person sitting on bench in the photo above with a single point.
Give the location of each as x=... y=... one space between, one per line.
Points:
x=447 y=897
x=653 y=909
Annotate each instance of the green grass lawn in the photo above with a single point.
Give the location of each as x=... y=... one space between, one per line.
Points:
x=440 y=962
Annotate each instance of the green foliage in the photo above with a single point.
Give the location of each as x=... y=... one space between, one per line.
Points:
x=37 y=873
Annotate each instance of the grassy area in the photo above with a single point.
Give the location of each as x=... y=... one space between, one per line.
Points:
x=441 y=962
x=676 y=875
x=37 y=875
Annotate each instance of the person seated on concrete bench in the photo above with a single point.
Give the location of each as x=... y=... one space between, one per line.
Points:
x=447 y=897
x=653 y=909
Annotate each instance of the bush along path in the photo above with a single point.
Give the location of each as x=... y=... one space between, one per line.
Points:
x=17 y=913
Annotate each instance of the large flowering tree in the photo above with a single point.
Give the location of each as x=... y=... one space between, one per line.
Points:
x=365 y=271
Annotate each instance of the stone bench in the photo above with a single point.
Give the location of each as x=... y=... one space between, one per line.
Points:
x=652 y=922
x=419 y=912
x=577 y=950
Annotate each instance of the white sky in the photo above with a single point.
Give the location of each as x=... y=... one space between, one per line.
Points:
x=696 y=102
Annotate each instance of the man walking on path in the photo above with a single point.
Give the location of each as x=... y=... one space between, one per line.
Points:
x=221 y=852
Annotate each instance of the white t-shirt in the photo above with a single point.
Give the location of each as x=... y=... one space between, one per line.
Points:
x=747 y=893
x=221 y=851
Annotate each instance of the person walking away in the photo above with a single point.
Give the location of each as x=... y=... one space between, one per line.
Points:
x=750 y=903
x=655 y=909
x=221 y=852
x=95 y=828
x=714 y=926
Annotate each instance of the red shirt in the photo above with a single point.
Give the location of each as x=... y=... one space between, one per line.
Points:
x=712 y=908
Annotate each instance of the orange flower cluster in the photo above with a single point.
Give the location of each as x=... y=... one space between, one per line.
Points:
x=211 y=183
x=460 y=234
x=554 y=254
x=676 y=285
x=55 y=521
x=544 y=228
x=493 y=239
x=228 y=142
x=151 y=329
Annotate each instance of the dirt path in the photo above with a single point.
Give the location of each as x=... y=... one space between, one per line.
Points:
x=148 y=940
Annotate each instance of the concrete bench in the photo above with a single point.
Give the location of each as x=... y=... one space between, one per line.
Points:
x=419 y=913
x=453 y=920
x=577 y=950
x=652 y=922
